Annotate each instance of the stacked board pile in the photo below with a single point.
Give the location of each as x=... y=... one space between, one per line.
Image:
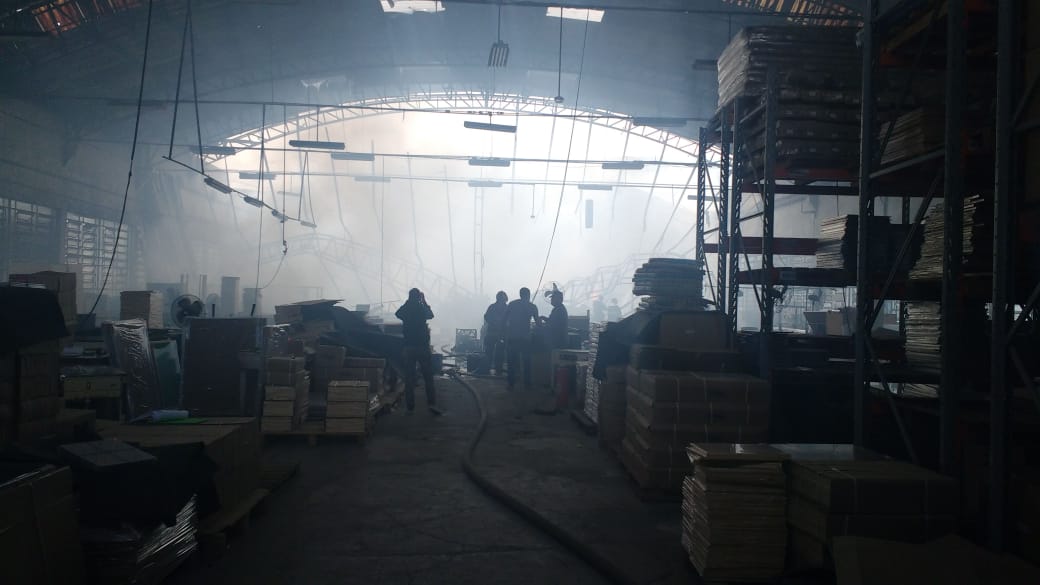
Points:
x=347 y=410
x=352 y=369
x=668 y=410
x=924 y=334
x=977 y=234
x=818 y=83
x=62 y=284
x=734 y=512
x=30 y=390
x=142 y=304
x=591 y=406
x=307 y=321
x=670 y=284
x=878 y=499
x=914 y=133
x=285 y=394
x=836 y=247
x=611 y=409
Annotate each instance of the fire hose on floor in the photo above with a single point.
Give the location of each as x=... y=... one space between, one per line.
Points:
x=603 y=565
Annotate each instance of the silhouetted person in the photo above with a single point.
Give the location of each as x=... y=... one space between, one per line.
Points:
x=519 y=315
x=599 y=310
x=613 y=311
x=557 y=321
x=495 y=332
x=414 y=314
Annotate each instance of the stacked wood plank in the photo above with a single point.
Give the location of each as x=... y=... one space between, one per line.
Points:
x=670 y=284
x=286 y=399
x=611 y=409
x=347 y=407
x=914 y=133
x=880 y=499
x=837 y=245
x=733 y=512
x=977 y=236
x=142 y=304
x=591 y=406
x=924 y=334
x=668 y=410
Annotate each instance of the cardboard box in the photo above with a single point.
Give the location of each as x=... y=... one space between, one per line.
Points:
x=348 y=391
x=873 y=487
x=39 y=529
x=352 y=426
x=694 y=330
x=346 y=410
x=285 y=364
x=331 y=356
x=711 y=413
x=142 y=304
x=280 y=393
x=655 y=357
x=661 y=436
x=669 y=479
x=699 y=387
x=279 y=408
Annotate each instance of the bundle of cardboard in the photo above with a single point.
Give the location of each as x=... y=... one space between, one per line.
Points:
x=347 y=409
x=285 y=394
x=142 y=304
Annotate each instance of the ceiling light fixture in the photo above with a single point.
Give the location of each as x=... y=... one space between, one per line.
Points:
x=220 y=150
x=321 y=144
x=485 y=184
x=279 y=215
x=478 y=161
x=594 y=187
x=255 y=176
x=358 y=156
x=308 y=224
x=215 y=184
x=490 y=127
x=589 y=14
x=625 y=165
x=253 y=201
x=371 y=179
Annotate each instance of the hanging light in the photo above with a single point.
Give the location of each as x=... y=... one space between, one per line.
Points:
x=489 y=162
x=594 y=187
x=358 y=156
x=254 y=176
x=215 y=184
x=485 y=184
x=625 y=165
x=308 y=224
x=279 y=215
x=490 y=127
x=320 y=144
x=253 y=201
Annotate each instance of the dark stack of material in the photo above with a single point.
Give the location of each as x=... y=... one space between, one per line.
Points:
x=668 y=410
x=977 y=234
x=30 y=390
x=897 y=234
x=924 y=334
x=592 y=385
x=670 y=284
x=286 y=399
x=880 y=499
x=914 y=133
x=734 y=512
x=62 y=284
x=611 y=409
x=308 y=321
x=347 y=407
x=836 y=247
x=818 y=91
x=142 y=304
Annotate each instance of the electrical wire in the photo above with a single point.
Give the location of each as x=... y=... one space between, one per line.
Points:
x=675 y=209
x=570 y=144
x=130 y=170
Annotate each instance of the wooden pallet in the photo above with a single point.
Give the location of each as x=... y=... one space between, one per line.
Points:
x=216 y=530
x=313 y=429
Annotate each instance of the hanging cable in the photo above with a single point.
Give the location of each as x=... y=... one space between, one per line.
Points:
x=133 y=152
x=570 y=144
x=180 y=76
x=675 y=209
x=195 y=86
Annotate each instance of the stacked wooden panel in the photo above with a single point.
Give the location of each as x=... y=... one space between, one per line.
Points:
x=667 y=410
x=670 y=284
x=611 y=409
x=347 y=409
x=142 y=304
x=880 y=499
x=285 y=394
x=62 y=284
x=836 y=247
x=977 y=234
x=591 y=406
x=733 y=512
x=30 y=391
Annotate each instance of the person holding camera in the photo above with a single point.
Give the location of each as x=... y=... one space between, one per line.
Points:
x=414 y=314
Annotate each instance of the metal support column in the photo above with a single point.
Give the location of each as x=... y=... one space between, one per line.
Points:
x=702 y=186
x=866 y=209
x=1002 y=276
x=768 y=209
x=726 y=160
x=736 y=196
x=953 y=239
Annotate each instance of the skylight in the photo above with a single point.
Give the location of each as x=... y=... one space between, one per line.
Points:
x=411 y=6
x=590 y=14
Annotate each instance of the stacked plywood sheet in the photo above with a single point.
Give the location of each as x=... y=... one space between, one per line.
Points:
x=733 y=512
x=142 y=304
x=912 y=134
x=611 y=408
x=667 y=410
x=670 y=284
x=977 y=236
x=347 y=411
x=879 y=498
x=30 y=390
x=592 y=385
x=836 y=247
x=286 y=403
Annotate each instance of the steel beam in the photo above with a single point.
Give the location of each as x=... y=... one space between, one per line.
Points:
x=768 y=213
x=722 y=275
x=736 y=196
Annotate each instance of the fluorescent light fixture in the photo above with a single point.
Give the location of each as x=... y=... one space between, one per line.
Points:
x=589 y=14
x=221 y=150
x=705 y=65
x=489 y=127
x=253 y=201
x=371 y=179
x=489 y=162
x=317 y=144
x=309 y=224
x=498 y=57
x=360 y=156
x=485 y=184
x=411 y=6
x=594 y=187
x=624 y=165
x=659 y=122
x=218 y=185
x=278 y=215
x=254 y=176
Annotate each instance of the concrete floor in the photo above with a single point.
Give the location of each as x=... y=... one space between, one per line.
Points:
x=400 y=509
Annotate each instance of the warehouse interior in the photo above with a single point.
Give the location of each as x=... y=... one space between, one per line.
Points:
x=469 y=291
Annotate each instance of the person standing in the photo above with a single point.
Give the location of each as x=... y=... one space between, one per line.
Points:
x=519 y=315
x=414 y=314
x=557 y=321
x=495 y=332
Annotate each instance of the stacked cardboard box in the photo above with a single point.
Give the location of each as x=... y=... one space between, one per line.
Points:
x=285 y=394
x=142 y=304
x=30 y=391
x=611 y=409
x=591 y=383
x=734 y=522
x=878 y=499
x=347 y=410
x=63 y=284
x=668 y=410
